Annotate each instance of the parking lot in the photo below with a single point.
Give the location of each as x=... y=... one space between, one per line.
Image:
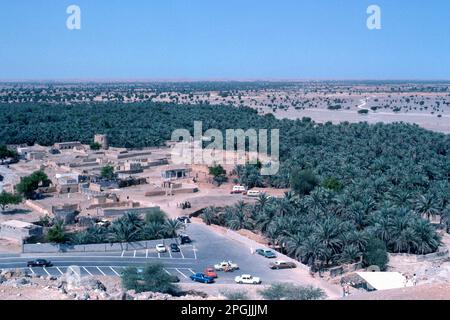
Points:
x=114 y=271
x=208 y=248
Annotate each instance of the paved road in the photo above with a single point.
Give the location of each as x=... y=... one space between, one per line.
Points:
x=207 y=249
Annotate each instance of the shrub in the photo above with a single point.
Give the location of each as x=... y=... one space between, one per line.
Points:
x=235 y=295
x=289 y=291
x=57 y=233
x=152 y=277
x=332 y=183
x=303 y=181
x=376 y=254
x=95 y=146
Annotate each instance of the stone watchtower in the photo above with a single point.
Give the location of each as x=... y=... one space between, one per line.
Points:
x=103 y=140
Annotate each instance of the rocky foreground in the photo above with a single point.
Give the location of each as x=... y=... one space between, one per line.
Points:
x=18 y=285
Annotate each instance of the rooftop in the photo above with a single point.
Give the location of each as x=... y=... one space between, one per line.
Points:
x=18 y=224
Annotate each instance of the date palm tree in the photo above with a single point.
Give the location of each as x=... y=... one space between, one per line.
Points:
x=427 y=206
x=171 y=227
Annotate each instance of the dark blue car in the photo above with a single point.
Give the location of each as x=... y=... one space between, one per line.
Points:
x=200 y=277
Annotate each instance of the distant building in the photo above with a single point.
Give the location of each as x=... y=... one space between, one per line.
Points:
x=67 y=183
x=66 y=213
x=67 y=145
x=19 y=230
x=102 y=139
x=172 y=172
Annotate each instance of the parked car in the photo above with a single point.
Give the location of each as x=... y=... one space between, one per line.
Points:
x=174 y=247
x=39 y=263
x=282 y=265
x=238 y=189
x=200 y=277
x=210 y=272
x=266 y=253
x=226 y=266
x=185 y=239
x=161 y=248
x=184 y=219
x=247 y=279
x=174 y=279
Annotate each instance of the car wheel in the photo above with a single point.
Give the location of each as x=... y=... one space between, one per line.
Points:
x=240 y=282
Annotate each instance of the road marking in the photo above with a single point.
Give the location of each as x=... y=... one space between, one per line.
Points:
x=191 y=271
x=134 y=254
x=181 y=273
x=159 y=255
x=170 y=254
x=32 y=272
x=43 y=268
x=59 y=270
x=146 y=254
x=114 y=271
x=101 y=271
x=182 y=255
x=195 y=253
x=74 y=271
x=87 y=271
x=123 y=252
x=167 y=272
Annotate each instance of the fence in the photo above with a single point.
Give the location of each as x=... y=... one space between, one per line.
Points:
x=98 y=247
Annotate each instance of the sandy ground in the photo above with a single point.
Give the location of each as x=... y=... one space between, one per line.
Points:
x=440 y=291
x=427 y=121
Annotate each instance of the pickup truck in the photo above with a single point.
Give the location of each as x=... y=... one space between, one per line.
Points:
x=226 y=266
x=247 y=279
x=200 y=277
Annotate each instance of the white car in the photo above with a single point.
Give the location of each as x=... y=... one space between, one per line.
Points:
x=238 y=189
x=253 y=193
x=247 y=279
x=161 y=248
x=226 y=266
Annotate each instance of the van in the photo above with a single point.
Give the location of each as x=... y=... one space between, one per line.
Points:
x=253 y=193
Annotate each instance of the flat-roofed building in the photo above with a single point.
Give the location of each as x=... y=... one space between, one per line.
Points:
x=171 y=172
x=67 y=145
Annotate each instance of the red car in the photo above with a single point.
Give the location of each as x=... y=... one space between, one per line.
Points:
x=210 y=272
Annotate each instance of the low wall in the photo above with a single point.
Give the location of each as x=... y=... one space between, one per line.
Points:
x=118 y=212
x=37 y=207
x=98 y=247
x=441 y=254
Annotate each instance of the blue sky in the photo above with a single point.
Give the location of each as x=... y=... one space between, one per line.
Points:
x=224 y=39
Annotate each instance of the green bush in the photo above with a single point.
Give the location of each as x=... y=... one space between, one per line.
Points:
x=376 y=254
x=289 y=291
x=57 y=233
x=303 y=181
x=152 y=277
x=235 y=295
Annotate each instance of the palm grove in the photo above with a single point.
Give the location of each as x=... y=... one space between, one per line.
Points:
x=358 y=189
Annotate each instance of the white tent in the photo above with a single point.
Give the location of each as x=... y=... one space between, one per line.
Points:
x=384 y=280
